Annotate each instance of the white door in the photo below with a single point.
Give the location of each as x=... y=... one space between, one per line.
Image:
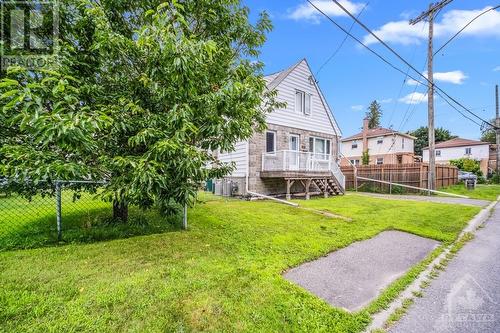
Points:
x=293 y=159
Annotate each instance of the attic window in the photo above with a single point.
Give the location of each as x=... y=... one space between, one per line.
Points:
x=354 y=144
x=303 y=102
x=380 y=140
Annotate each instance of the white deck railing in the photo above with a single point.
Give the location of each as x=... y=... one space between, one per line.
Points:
x=291 y=160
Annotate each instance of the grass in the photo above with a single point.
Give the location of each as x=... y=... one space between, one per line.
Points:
x=29 y=224
x=484 y=192
x=223 y=275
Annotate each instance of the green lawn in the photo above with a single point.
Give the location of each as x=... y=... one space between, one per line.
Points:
x=485 y=192
x=223 y=275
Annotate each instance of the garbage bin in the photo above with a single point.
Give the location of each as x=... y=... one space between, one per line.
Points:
x=470 y=184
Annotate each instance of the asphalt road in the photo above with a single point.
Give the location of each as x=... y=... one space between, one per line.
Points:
x=466 y=296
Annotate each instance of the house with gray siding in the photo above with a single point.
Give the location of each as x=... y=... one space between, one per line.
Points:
x=298 y=154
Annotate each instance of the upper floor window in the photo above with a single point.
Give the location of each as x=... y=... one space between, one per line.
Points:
x=354 y=144
x=468 y=151
x=380 y=140
x=438 y=152
x=380 y=160
x=270 y=142
x=402 y=143
x=303 y=102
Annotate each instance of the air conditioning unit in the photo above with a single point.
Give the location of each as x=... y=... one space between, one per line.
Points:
x=227 y=188
x=218 y=187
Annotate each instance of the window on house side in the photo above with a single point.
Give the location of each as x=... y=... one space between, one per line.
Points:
x=380 y=140
x=438 y=152
x=354 y=144
x=380 y=160
x=303 y=102
x=468 y=151
x=270 y=142
x=402 y=143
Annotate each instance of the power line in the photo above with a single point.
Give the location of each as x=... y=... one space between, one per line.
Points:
x=397 y=55
x=465 y=27
x=341 y=44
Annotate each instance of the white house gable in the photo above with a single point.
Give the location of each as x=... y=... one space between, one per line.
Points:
x=306 y=106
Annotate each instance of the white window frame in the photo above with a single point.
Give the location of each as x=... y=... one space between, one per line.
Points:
x=468 y=151
x=304 y=106
x=402 y=143
x=380 y=140
x=438 y=153
x=274 y=142
x=327 y=145
x=354 y=143
x=381 y=160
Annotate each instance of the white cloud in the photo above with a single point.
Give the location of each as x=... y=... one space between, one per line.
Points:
x=401 y=32
x=385 y=101
x=357 y=107
x=496 y=69
x=412 y=82
x=308 y=13
x=414 y=98
x=455 y=77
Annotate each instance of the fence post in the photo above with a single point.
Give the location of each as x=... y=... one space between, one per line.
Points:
x=58 y=211
x=390 y=181
x=185 y=218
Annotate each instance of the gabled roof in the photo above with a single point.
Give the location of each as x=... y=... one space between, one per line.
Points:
x=459 y=142
x=274 y=79
x=376 y=132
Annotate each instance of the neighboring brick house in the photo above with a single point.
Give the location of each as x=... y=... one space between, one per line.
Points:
x=298 y=153
x=461 y=148
x=385 y=146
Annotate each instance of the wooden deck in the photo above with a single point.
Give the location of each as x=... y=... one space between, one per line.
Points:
x=295 y=174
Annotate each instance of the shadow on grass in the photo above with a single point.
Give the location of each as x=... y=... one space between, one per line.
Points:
x=84 y=226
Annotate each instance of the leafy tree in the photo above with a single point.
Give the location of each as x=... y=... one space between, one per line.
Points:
x=374 y=114
x=422 y=135
x=365 y=158
x=468 y=165
x=488 y=132
x=141 y=94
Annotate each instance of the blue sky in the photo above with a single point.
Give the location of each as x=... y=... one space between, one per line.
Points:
x=468 y=68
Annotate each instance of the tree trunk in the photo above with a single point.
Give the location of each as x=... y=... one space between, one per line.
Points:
x=120 y=211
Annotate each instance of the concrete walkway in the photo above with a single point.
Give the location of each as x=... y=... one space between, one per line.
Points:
x=445 y=200
x=466 y=296
x=352 y=277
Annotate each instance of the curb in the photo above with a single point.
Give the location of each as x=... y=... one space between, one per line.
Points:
x=379 y=319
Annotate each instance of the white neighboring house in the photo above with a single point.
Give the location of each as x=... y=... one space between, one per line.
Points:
x=384 y=146
x=298 y=153
x=461 y=148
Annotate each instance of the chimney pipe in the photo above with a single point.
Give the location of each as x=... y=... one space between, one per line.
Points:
x=365 y=134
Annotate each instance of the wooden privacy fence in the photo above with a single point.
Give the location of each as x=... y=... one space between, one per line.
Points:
x=415 y=174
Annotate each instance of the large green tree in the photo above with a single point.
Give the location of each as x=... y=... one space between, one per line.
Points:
x=374 y=114
x=142 y=93
x=488 y=132
x=422 y=135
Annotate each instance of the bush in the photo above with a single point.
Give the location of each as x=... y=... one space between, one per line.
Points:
x=468 y=165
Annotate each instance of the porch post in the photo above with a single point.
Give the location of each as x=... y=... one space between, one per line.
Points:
x=288 y=186
x=308 y=185
x=326 y=188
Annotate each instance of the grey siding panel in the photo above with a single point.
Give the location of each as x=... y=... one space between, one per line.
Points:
x=318 y=121
x=239 y=156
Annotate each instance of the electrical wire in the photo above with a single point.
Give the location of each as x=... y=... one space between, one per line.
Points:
x=397 y=55
x=337 y=50
x=465 y=27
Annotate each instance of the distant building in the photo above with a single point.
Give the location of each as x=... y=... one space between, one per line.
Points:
x=461 y=148
x=385 y=146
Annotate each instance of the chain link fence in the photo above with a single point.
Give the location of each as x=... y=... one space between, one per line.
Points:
x=70 y=212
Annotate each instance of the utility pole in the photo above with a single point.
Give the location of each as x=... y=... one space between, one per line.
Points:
x=497 y=123
x=429 y=15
